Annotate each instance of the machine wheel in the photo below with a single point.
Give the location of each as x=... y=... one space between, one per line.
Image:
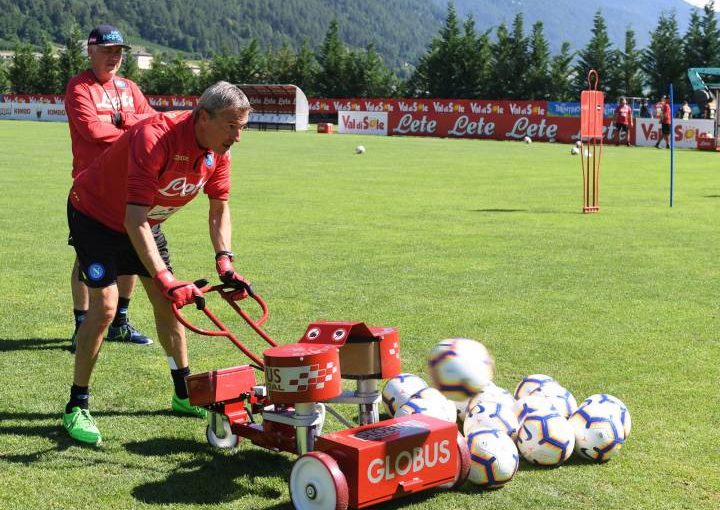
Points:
x=463 y=464
x=229 y=441
x=316 y=483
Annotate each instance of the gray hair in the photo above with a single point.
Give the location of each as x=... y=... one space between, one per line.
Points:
x=221 y=96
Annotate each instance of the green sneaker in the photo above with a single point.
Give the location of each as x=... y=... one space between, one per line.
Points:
x=81 y=426
x=182 y=405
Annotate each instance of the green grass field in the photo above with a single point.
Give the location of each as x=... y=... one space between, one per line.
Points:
x=436 y=237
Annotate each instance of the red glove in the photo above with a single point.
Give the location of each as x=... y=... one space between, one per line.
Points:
x=227 y=274
x=179 y=292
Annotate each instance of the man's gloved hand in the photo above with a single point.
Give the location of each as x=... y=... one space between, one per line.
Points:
x=227 y=274
x=178 y=291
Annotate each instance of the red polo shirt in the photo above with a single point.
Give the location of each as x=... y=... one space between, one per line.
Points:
x=86 y=99
x=623 y=114
x=156 y=163
x=666 y=117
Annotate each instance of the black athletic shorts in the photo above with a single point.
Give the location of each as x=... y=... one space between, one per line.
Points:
x=621 y=127
x=104 y=253
x=665 y=129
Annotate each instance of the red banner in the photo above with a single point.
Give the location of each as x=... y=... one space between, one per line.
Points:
x=476 y=106
x=491 y=126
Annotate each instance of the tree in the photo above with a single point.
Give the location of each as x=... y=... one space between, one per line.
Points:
x=331 y=78
x=368 y=75
x=73 y=59
x=48 y=79
x=251 y=67
x=630 y=72
x=474 y=69
x=305 y=70
x=598 y=55
x=711 y=36
x=168 y=78
x=502 y=78
x=4 y=78
x=440 y=71
x=129 y=68
x=538 y=69
x=560 y=86
x=281 y=65
x=23 y=70
x=519 y=60
x=661 y=61
x=223 y=68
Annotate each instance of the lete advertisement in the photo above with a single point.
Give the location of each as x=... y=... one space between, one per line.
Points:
x=363 y=123
x=492 y=126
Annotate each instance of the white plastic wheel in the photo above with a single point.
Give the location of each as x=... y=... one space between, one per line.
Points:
x=316 y=483
x=229 y=441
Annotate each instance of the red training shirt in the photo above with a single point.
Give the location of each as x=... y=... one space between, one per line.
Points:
x=623 y=114
x=156 y=163
x=666 y=117
x=86 y=99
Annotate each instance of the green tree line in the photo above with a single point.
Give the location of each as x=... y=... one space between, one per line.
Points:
x=505 y=62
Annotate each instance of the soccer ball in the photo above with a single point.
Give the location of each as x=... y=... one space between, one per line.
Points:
x=431 y=406
x=460 y=367
x=360 y=149
x=560 y=398
x=494 y=458
x=491 y=414
x=574 y=151
x=527 y=139
x=546 y=438
x=492 y=393
x=532 y=404
x=599 y=433
x=448 y=406
x=399 y=389
x=604 y=398
x=530 y=383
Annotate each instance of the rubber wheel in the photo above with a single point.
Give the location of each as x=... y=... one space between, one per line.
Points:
x=316 y=483
x=229 y=441
x=463 y=468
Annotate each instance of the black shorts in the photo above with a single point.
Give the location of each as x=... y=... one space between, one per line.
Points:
x=104 y=253
x=621 y=127
x=665 y=129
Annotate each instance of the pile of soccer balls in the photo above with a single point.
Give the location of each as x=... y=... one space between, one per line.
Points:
x=541 y=421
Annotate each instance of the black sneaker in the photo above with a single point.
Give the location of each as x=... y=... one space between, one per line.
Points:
x=127 y=333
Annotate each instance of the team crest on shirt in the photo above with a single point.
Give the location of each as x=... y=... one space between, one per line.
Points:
x=121 y=84
x=209 y=159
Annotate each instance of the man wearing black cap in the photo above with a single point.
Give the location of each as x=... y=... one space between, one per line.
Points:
x=101 y=106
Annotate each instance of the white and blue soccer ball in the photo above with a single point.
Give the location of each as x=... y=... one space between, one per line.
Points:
x=546 y=439
x=530 y=405
x=460 y=367
x=527 y=139
x=598 y=429
x=494 y=415
x=430 y=406
x=399 y=389
x=604 y=398
x=494 y=458
x=530 y=383
x=560 y=398
x=492 y=393
x=360 y=149
x=574 y=151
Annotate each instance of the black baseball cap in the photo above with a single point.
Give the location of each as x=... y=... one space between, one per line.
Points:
x=106 y=35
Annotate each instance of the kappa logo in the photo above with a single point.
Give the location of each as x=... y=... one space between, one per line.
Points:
x=181 y=157
x=180 y=187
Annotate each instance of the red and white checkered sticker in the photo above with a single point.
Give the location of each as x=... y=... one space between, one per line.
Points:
x=297 y=379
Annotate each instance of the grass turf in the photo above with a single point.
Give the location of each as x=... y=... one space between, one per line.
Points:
x=436 y=237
